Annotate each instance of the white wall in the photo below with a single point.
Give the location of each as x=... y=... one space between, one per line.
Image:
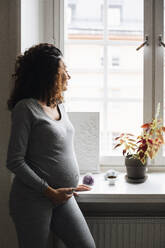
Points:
x=36 y=22
x=10 y=46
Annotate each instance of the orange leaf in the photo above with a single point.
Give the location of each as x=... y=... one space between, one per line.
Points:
x=117 y=146
x=132 y=144
x=151 y=132
x=146 y=125
x=124 y=151
x=150 y=154
x=130 y=134
x=131 y=140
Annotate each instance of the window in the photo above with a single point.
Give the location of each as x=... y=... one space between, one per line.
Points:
x=108 y=74
x=71 y=10
x=115 y=61
x=114 y=16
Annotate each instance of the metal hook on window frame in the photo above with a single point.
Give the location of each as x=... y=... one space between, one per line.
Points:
x=144 y=43
x=161 y=43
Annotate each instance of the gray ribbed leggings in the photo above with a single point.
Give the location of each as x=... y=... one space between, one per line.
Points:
x=34 y=215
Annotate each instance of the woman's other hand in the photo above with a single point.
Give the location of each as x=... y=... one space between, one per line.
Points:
x=82 y=187
x=59 y=195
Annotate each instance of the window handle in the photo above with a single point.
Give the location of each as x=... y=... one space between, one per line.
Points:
x=161 y=43
x=144 y=43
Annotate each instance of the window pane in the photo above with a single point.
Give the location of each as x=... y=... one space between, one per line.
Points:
x=84 y=19
x=82 y=85
x=84 y=106
x=84 y=56
x=85 y=63
x=125 y=71
x=123 y=116
x=107 y=75
x=125 y=19
x=114 y=16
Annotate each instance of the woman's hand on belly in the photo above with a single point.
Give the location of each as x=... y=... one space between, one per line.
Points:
x=59 y=195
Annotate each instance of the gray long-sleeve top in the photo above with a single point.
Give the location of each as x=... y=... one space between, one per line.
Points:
x=41 y=150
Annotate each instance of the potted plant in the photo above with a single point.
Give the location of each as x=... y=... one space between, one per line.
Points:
x=137 y=149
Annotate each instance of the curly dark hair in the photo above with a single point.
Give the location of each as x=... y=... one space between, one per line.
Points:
x=37 y=75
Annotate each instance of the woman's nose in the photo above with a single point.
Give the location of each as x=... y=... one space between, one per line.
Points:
x=69 y=77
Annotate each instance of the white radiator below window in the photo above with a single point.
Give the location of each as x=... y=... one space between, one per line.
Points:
x=126 y=232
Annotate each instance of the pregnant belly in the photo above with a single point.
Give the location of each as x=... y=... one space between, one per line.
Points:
x=64 y=174
x=59 y=172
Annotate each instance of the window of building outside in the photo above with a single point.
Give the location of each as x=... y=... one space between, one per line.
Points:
x=114 y=15
x=71 y=10
x=108 y=73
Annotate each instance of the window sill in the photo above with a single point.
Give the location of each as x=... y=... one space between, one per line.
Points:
x=151 y=191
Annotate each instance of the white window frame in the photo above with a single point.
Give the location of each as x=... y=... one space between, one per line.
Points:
x=153 y=66
x=159 y=69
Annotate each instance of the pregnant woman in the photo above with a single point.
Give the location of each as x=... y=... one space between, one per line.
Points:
x=41 y=154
